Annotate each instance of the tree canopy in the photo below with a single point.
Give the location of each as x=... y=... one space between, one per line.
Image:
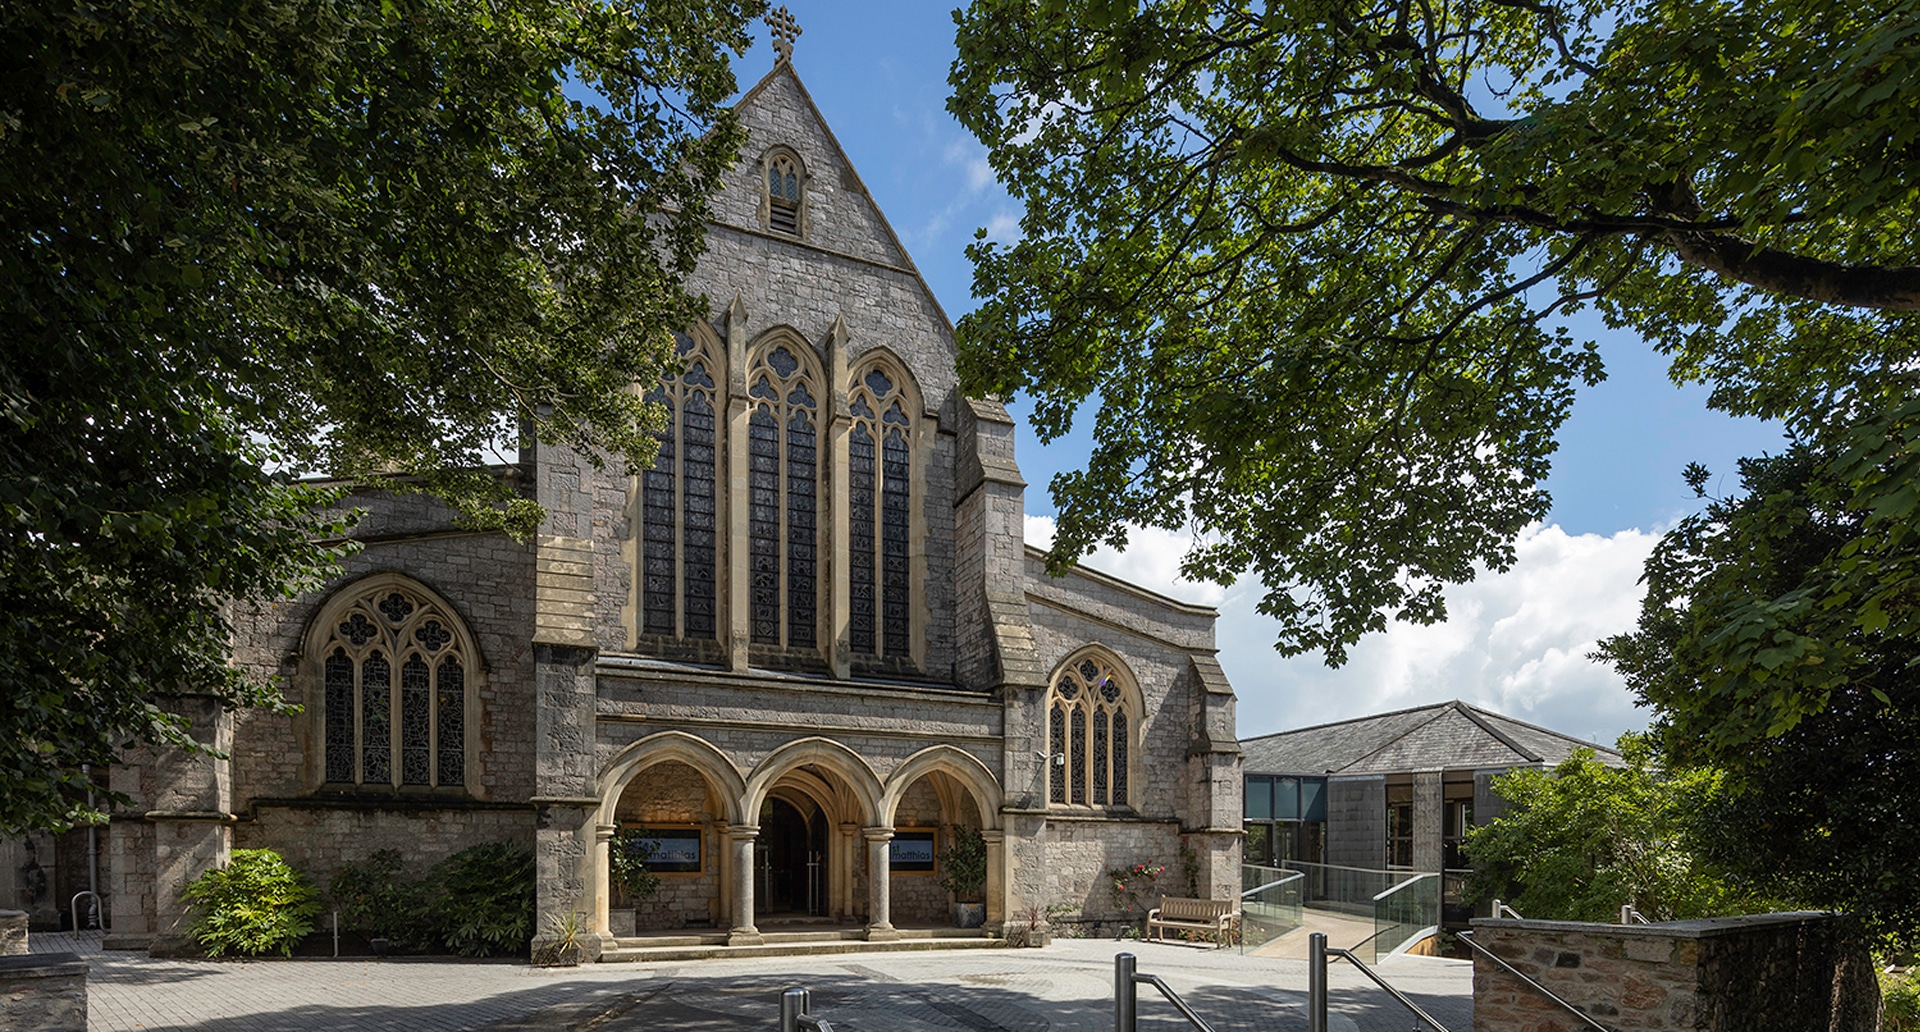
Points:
x=250 y=240
x=1578 y=842
x=1777 y=641
x=1313 y=258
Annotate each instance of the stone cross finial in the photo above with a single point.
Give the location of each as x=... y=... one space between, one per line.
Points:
x=785 y=31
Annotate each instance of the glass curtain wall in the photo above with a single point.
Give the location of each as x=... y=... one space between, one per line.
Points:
x=1286 y=820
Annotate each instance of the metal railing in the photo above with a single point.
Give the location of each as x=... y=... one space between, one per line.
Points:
x=1319 y=955
x=1628 y=915
x=1499 y=905
x=794 y=1016
x=1467 y=937
x=1126 y=996
x=1404 y=914
x=1272 y=907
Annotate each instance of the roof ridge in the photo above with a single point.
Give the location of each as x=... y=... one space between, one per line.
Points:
x=1439 y=710
x=1501 y=736
x=1349 y=720
x=1563 y=736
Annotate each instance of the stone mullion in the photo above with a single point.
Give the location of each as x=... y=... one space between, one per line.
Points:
x=738 y=558
x=839 y=639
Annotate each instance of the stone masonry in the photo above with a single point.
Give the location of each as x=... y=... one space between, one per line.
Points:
x=1804 y=971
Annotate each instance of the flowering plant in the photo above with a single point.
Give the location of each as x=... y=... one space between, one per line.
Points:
x=1130 y=885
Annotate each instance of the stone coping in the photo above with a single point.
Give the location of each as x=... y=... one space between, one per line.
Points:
x=1699 y=928
x=5 y=914
x=41 y=965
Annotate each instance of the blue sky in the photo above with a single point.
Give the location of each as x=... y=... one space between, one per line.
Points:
x=1517 y=642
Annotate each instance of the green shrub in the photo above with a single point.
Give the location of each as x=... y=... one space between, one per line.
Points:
x=481 y=900
x=963 y=864
x=1899 y=1002
x=254 y=905
x=375 y=898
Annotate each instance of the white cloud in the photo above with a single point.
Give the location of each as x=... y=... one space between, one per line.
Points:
x=972 y=159
x=1516 y=642
x=1003 y=227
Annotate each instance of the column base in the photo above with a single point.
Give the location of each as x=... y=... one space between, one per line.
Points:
x=746 y=937
x=882 y=933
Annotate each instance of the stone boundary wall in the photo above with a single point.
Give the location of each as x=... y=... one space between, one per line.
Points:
x=1806 y=971
x=13 y=933
x=45 y=992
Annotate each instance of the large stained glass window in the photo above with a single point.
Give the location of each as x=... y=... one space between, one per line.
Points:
x=880 y=514
x=678 y=506
x=393 y=692
x=1089 y=718
x=783 y=502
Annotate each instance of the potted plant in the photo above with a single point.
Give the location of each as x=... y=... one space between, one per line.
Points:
x=963 y=872
x=628 y=857
x=1029 y=930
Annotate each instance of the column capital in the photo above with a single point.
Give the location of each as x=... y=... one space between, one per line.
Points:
x=877 y=834
x=849 y=828
x=605 y=832
x=743 y=831
x=992 y=836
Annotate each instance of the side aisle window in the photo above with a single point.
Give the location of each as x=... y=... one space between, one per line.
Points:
x=396 y=668
x=880 y=500
x=679 y=505
x=1091 y=718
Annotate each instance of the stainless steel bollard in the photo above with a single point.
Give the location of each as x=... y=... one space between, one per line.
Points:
x=1125 y=1013
x=1317 y=982
x=793 y=1003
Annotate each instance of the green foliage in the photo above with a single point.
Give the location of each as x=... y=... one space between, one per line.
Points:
x=628 y=855
x=1579 y=841
x=291 y=237
x=1899 y=1002
x=482 y=900
x=256 y=904
x=375 y=898
x=1777 y=641
x=963 y=864
x=1311 y=259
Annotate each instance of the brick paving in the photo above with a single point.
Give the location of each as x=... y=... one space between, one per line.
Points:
x=1067 y=987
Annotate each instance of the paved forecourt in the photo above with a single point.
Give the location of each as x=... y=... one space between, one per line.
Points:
x=1066 y=987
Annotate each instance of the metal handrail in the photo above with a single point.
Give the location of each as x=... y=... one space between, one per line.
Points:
x=1378 y=896
x=1126 y=977
x=1467 y=937
x=1628 y=915
x=1295 y=876
x=794 y=1016
x=1317 y=954
x=1499 y=905
x=93 y=909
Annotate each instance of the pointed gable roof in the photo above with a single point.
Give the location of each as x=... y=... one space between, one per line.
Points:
x=1444 y=736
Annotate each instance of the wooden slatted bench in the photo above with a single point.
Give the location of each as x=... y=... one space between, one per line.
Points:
x=1214 y=916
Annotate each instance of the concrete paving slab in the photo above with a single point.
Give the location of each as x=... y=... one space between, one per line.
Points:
x=1066 y=987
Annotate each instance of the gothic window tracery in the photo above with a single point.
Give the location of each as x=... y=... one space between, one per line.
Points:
x=783 y=502
x=1090 y=719
x=784 y=182
x=880 y=506
x=393 y=692
x=679 y=509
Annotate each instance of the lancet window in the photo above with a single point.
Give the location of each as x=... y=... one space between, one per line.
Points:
x=783 y=502
x=395 y=670
x=880 y=505
x=1090 y=722
x=679 y=505
x=784 y=181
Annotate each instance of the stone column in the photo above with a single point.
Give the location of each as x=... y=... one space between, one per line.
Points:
x=13 y=933
x=736 y=573
x=191 y=819
x=996 y=841
x=599 y=888
x=846 y=852
x=1429 y=805
x=744 y=933
x=879 y=874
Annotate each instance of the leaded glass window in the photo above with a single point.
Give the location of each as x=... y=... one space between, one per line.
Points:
x=678 y=509
x=783 y=195
x=783 y=502
x=393 y=692
x=880 y=514
x=1089 y=719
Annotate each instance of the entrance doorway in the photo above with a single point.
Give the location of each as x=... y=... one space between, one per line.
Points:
x=791 y=861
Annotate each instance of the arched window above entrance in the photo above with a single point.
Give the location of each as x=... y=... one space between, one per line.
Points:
x=1093 y=720
x=680 y=499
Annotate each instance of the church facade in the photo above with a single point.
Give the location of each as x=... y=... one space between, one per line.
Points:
x=797 y=653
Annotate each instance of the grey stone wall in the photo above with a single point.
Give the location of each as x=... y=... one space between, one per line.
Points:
x=44 y=992
x=1429 y=808
x=1072 y=860
x=1732 y=974
x=318 y=841
x=1357 y=821
x=13 y=933
x=27 y=865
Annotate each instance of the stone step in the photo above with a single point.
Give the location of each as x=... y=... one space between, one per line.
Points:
x=656 y=954
x=694 y=939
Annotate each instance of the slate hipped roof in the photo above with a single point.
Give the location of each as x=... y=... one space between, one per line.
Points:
x=1446 y=736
